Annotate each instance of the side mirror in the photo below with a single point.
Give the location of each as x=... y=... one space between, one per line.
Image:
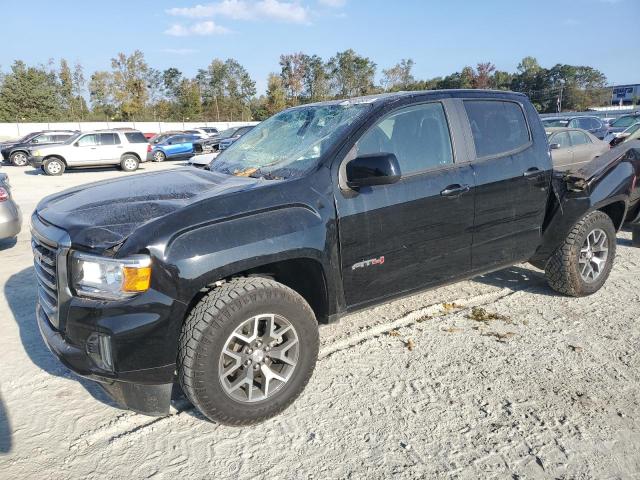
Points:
x=554 y=146
x=35 y=140
x=76 y=144
x=170 y=142
x=373 y=169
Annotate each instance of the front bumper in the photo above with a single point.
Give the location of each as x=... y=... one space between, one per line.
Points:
x=142 y=333
x=10 y=219
x=35 y=162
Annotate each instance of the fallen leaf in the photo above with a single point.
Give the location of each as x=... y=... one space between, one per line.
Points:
x=394 y=333
x=500 y=337
x=410 y=344
x=447 y=307
x=576 y=348
x=452 y=329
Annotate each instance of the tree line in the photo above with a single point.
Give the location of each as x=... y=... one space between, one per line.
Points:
x=224 y=90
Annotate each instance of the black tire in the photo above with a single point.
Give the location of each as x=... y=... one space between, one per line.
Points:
x=212 y=321
x=19 y=159
x=635 y=235
x=563 y=268
x=129 y=163
x=53 y=166
x=159 y=156
x=539 y=264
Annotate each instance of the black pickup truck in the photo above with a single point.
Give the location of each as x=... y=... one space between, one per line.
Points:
x=217 y=279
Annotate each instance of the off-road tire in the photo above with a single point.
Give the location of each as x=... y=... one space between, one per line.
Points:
x=53 y=166
x=209 y=325
x=18 y=159
x=127 y=163
x=562 y=269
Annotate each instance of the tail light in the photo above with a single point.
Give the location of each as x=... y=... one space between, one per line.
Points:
x=4 y=195
x=149 y=148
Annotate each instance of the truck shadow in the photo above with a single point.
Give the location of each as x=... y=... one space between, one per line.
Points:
x=5 y=429
x=517 y=278
x=20 y=292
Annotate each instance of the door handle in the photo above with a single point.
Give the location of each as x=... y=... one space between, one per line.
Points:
x=531 y=172
x=455 y=190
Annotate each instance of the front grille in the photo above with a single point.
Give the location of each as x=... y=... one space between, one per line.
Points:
x=45 y=264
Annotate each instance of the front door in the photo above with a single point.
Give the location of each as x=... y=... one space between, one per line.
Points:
x=562 y=150
x=413 y=233
x=85 y=150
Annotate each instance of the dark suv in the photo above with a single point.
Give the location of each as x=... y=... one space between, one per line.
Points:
x=218 y=278
x=18 y=153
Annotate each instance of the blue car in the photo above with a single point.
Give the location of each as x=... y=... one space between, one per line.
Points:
x=175 y=147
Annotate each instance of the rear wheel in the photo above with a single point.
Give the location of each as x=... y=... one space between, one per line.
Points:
x=582 y=264
x=19 y=159
x=53 y=166
x=129 y=163
x=159 y=156
x=247 y=350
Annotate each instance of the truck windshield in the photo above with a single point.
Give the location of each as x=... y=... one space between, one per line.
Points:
x=288 y=144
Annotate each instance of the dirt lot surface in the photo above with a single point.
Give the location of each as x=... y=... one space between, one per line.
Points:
x=423 y=387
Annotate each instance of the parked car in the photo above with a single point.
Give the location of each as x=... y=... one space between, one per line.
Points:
x=591 y=124
x=149 y=135
x=209 y=130
x=160 y=137
x=571 y=147
x=202 y=160
x=175 y=147
x=218 y=278
x=630 y=134
x=624 y=122
x=210 y=145
x=227 y=142
x=18 y=153
x=91 y=149
x=10 y=216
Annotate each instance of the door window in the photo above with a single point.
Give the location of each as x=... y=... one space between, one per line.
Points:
x=90 y=140
x=562 y=139
x=418 y=136
x=498 y=127
x=578 y=138
x=109 y=139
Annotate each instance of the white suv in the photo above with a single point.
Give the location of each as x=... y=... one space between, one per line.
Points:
x=90 y=149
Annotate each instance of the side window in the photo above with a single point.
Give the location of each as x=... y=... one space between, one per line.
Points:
x=562 y=139
x=90 y=140
x=498 y=127
x=109 y=139
x=418 y=136
x=578 y=138
x=574 y=123
x=135 y=137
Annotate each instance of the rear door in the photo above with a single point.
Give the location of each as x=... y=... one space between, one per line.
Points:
x=512 y=174
x=111 y=148
x=583 y=148
x=416 y=232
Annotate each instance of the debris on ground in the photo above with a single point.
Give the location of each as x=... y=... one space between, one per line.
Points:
x=410 y=344
x=449 y=306
x=394 y=333
x=479 y=314
x=576 y=348
x=500 y=337
x=452 y=329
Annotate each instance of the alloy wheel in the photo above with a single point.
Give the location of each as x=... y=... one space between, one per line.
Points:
x=593 y=255
x=258 y=358
x=19 y=159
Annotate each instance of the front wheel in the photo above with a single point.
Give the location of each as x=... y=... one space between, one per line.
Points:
x=53 y=166
x=19 y=159
x=129 y=163
x=582 y=264
x=247 y=350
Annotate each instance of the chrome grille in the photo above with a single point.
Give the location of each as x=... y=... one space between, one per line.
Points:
x=45 y=264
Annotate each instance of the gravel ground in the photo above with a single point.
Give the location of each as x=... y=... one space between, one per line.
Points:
x=421 y=387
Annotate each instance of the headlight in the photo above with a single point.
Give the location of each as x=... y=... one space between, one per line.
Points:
x=37 y=153
x=110 y=278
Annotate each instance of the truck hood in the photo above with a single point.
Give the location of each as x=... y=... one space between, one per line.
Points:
x=103 y=214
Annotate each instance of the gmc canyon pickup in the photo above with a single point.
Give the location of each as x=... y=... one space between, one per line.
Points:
x=217 y=279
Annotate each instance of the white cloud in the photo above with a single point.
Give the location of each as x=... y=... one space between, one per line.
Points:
x=200 y=28
x=333 y=3
x=290 y=12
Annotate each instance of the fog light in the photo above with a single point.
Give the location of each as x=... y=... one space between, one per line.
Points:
x=99 y=350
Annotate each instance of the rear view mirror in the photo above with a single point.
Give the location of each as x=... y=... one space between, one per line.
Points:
x=554 y=146
x=374 y=169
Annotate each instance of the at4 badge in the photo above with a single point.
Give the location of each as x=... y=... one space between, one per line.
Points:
x=368 y=263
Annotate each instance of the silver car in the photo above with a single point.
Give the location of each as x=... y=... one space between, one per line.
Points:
x=103 y=147
x=10 y=216
x=571 y=147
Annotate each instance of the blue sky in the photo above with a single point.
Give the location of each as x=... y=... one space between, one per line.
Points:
x=440 y=36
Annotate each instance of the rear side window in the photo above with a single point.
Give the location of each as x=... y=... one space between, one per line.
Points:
x=418 y=136
x=135 y=137
x=498 y=126
x=578 y=138
x=109 y=139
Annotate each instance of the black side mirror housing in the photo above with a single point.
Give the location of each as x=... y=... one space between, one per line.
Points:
x=554 y=146
x=373 y=169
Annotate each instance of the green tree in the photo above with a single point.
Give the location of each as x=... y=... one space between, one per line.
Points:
x=276 y=95
x=100 y=94
x=30 y=94
x=398 y=77
x=351 y=74
x=129 y=77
